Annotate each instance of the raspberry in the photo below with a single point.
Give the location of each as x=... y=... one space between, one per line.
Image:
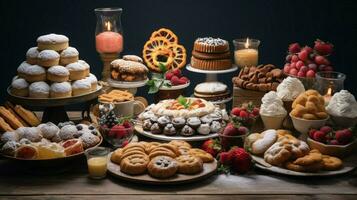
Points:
x=344 y=136
x=169 y=75
x=320 y=136
x=235 y=111
x=323 y=48
x=183 y=80
x=311 y=133
x=177 y=72
x=303 y=55
x=295 y=58
x=326 y=129
x=294 y=48
x=175 y=80
x=293 y=72
x=320 y=60
x=118 y=130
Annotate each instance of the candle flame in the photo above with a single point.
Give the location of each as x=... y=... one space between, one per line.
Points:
x=329 y=92
x=246 y=45
x=108 y=25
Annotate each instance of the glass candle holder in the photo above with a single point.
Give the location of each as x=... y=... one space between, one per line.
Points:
x=97 y=159
x=246 y=52
x=328 y=83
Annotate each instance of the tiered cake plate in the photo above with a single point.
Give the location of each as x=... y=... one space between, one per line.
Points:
x=132 y=87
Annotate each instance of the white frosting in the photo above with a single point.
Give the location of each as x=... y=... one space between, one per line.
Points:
x=92 y=78
x=69 y=52
x=48 y=55
x=52 y=38
x=81 y=84
x=342 y=104
x=22 y=67
x=211 y=41
x=34 y=70
x=40 y=87
x=272 y=105
x=61 y=87
x=19 y=83
x=290 y=89
x=84 y=63
x=58 y=70
x=32 y=52
x=76 y=66
x=211 y=87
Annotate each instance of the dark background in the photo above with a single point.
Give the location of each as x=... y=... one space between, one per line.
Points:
x=276 y=23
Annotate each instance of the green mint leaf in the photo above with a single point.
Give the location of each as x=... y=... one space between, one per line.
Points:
x=162 y=68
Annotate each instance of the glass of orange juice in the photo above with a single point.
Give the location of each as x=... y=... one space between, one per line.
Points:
x=97 y=159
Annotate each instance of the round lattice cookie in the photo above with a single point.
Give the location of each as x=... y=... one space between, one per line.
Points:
x=155 y=47
x=179 y=52
x=166 y=33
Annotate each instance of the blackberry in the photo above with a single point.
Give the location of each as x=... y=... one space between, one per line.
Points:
x=110 y=119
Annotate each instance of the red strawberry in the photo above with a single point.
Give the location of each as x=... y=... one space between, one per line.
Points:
x=293 y=71
x=255 y=111
x=326 y=129
x=177 y=72
x=307 y=49
x=344 y=136
x=294 y=59
x=211 y=146
x=125 y=142
x=242 y=130
x=225 y=158
x=243 y=114
x=175 y=80
x=323 y=48
x=169 y=75
x=235 y=111
x=241 y=160
x=183 y=80
x=320 y=60
x=303 y=55
x=310 y=73
x=311 y=133
x=294 y=48
x=230 y=130
x=126 y=124
x=320 y=136
x=118 y=130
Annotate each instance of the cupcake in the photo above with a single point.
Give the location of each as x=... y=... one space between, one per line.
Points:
x=272 y=111
x=187 y=131
x=194 y=122
x=343 y=109
x=178 y=122
x=204 y=129
x=163 y=121
x=289 y=90
x=169 y=130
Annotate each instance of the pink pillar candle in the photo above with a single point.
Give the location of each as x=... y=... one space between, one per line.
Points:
x=109 y=42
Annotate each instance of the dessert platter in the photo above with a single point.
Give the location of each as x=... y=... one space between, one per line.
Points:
x=189 y=119
x=175 y=162
x=53 y=76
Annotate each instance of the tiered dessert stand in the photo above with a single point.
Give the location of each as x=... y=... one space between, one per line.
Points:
x=211 y=76
x=131 y=87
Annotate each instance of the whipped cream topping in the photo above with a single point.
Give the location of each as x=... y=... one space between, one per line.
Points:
x=342 y=104
x=272 y=105
x=211 y=87
x=289 y=89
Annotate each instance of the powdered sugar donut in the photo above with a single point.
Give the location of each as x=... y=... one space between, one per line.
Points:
x=9 y=148
x=57 y=73
x=86 y=65
x=48 y=58
x=266 y=140
x=39 y=90
x=34 y=73
x=20 y=87
x=80 y=87
x=52 y=41
x=77 y=71
x=31 y=55
x=89 y=140
x=67 y=132
x=69 y=55
x=21 y=70
x=59 y=90
x=48 y=130
x=10 y=136
x=93 y=81
x=32 y=133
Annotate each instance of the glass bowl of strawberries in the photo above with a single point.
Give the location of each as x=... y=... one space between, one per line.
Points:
x=338 y=142
x=233 y=135
x=247 y=114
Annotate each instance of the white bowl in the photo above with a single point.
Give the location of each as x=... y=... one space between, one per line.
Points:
x=304 y=125
x=333 y=150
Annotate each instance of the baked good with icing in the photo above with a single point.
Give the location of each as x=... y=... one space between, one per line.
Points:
x=48 y=58
x=264 y=141
x=48 y=130
x=39 y=90
x=127 y=69
x=52 y=41
x=33 y=73
x=60 y=90
x=81 y=87
x=58 y=74
x=20 y=87
x=188 y=164
x=77 y=71
x=21 y=69
x=9 y=136
x=31 y=55
x=69 y=55
x=211 y=91
x=162 y=167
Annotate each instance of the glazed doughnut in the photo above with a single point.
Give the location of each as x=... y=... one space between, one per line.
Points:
x=20 y=87
x=162 y=167
x=31 y=55
x=39 y=90
x=189 y=164
x=93 y=81
x=48 y=58
x=5 y=126
x=60 y=90
x=80 y=87
x=10 y=118
x=267 y=138
x=27 y=115
x=69 y=55
x=34 y=73
x=86 y=66
x=58 y=73
x=52 y=41
x=77 y=71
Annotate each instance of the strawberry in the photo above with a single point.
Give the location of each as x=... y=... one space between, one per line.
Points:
x=320 y=136
x=344 y=136
x=287 y=68
x=294 y=48
x=241 y=160
x=183 y=80
x=323 y=48
x=243 y=114
x=169 y=75
x=293 y=71
x=303 y=55
x=118 y=130
x=255 y=111
x=320 y=60
x=211 y=146
x=230 y=130
x=326 y=129
x=242 y=130
x=294 y=59
x=126 y=124
x=125 y=142
x=175 y=80
x=307 y=49
x=310 y=73
x=311 y=133
x=177 y=72
x=225 y=158
x=235 y=111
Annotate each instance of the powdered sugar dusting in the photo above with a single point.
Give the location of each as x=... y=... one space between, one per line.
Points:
x=52 y=38
x=81 y=84
x=19 y=83
x=48 y=55
x=58 y=70
x=69 y=52
x=40 y=87
x=76 y=66
x=34 y=70
x=61 y=87
x=211 y=41
x=32 y=52
x=22 y=67
x=92 y=78
x=84 y=63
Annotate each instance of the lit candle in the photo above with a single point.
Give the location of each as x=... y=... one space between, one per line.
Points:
x=109 y=41
x=247 y=56
x=97 y=166
x=328 y=96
